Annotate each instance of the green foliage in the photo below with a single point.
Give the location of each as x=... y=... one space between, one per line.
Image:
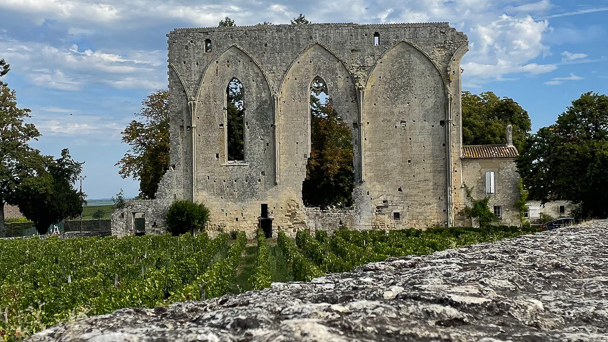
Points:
x=98 y=214
x=300 y=20
x=329 y=172
x=119 y=200
x=236 y=123
x=302 y=268
x=520 y=204
x=217 y=280
x=485 y=118
x=568 y=160
x=4 y=67
x=16 y=157
x=261 y=277
x=479 y=209
x=185 y=216
x=227 y=22
x=148 y=139
x=51 y=197
x=45 y=282
x=17 y=220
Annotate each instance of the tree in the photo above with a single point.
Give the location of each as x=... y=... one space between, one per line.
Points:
x=300 y=20
x=50 y=196
x=185 y=216
x=16 y=156
x=568 y=160
x=119 y=200
x=329 y=172
x=485 y=118
x=148 y=156
x=235 y=116
x=227 y=22
x=4 y=67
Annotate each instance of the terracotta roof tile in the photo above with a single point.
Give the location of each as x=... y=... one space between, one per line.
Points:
x=489 y=151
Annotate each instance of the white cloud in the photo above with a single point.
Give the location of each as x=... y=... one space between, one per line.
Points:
x=540 y=6
x=560 y=80
x=505 y=46
x=70 y=69
x=569 y=56
x=585 y=11
x=53 y=123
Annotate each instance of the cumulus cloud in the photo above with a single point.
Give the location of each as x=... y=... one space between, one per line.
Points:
x=505 y=46
x=70 y=69
x=560 y=80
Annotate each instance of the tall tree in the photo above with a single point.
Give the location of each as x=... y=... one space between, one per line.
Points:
x=329 y=172
x=51 y=196
x=485 y=118
x=15 y=154
x=148 y=156
x=568 y=160
x=227 y=22
x=300 y=20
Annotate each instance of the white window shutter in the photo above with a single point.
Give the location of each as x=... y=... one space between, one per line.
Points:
x=490 y=186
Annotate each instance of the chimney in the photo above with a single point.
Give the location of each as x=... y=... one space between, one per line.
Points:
x=509 y=135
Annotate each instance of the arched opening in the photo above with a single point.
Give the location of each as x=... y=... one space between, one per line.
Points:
x=235 y=116
x=207 y=45
x=329 y=171
x=376 y=39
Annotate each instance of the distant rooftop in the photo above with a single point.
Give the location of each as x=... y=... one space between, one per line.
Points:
x=489 y=151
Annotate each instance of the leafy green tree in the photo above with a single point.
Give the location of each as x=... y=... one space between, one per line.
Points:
x=50 y=196
x=185 y=216
x=16 y=156
x=485 y=118
x=329 y=172
x=300 y=20
x=148 y=156
x=227 y=22
x=119 y=200
x=568 y=160
x=236 y=123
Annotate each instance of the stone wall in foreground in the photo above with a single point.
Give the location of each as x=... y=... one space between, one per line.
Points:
x=552 y=286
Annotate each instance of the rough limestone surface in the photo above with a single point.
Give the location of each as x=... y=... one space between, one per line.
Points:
x=552 y=286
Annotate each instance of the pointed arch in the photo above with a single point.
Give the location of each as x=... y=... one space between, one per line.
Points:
x=293 y=119
x=414 y=46
x=307 y=49
x=258 y=162
x=416 y=119
x=221 y=56
x=181 y=79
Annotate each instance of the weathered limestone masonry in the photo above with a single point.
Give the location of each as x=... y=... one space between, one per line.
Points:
x=396 y=86
x=549 y=286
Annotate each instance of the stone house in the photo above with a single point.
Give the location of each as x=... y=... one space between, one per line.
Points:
x=490 y=171
x=397 y=87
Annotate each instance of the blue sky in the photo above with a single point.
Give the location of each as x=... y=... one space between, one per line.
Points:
x=83 y=67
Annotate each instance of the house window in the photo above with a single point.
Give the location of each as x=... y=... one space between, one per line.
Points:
x=562 y=210
x=490 y=186
x=396 y=216
x=498 y=211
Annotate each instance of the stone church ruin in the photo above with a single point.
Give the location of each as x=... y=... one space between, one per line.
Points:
x=396 y=86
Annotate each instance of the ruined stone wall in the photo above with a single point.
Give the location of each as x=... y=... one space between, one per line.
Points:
x=506 y=182
x=399 y=94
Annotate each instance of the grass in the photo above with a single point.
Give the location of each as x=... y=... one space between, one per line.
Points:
x=279 y=271
x=246 y=269
x=105 y=211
